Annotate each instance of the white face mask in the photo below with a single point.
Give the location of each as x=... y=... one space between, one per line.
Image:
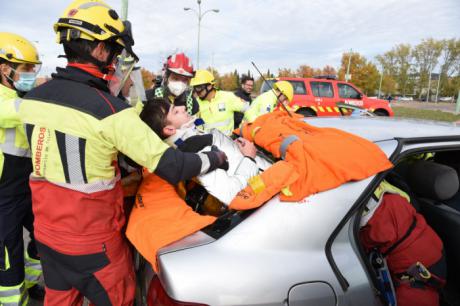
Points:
x=177 y=87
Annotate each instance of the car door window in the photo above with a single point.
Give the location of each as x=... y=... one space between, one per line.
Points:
x=299 y=87
x=348 y=92
x=322 y=89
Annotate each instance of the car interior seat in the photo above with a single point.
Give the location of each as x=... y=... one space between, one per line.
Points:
x=452 y=159
x=397 y=177
x=434 y=185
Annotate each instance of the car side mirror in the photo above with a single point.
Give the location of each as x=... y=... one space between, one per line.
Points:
x=360 y=96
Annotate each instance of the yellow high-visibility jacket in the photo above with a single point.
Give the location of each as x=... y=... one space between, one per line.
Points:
x=218 y=113
x=263 y=104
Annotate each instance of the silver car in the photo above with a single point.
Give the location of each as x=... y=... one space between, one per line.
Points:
x=303 y=253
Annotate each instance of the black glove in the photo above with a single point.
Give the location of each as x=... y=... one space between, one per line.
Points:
x=217 y=159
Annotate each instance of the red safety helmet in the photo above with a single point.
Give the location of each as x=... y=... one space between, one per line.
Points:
x=180 y=64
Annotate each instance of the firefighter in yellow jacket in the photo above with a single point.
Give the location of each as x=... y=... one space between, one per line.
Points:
x=76 y=126
x=282 y=92
x=216 y=106
x=19 y=270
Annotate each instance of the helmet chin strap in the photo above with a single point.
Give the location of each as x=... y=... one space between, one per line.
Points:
x=102 y=66
x=207 y=92
x=10 y=78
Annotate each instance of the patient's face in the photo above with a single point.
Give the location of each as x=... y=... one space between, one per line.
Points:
x=178 y=116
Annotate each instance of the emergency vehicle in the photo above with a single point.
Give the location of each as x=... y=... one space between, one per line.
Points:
x=318 y=96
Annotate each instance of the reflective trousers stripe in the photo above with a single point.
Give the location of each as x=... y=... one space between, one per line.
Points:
x=14 y=295
x=33 y=270
x=9 y=147
x=32 y=276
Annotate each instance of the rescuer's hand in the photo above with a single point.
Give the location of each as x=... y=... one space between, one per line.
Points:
x=217 y=158
x=246 y=147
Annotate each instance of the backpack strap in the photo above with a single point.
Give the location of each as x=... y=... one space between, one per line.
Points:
x=397 y=243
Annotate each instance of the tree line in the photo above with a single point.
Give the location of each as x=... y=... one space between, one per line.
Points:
x=429 y=69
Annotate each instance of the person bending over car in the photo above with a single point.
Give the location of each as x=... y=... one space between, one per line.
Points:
x=160 y=215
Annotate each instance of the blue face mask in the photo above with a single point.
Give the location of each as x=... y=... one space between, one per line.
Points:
x=26 y=81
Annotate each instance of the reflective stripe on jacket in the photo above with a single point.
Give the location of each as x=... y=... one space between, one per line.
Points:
x=218 y=113
x=265 y=103
x=15 y=166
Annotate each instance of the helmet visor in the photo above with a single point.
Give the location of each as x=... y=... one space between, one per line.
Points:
x=137 y=90
x=26 y=67
x=124 y=64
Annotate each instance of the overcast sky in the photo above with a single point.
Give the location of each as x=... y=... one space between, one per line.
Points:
x=273 y=34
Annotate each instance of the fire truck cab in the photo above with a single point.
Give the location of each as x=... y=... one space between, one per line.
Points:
x=318 y=96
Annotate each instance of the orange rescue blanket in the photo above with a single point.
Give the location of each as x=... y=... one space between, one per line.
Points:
x=160 y=216
x=323 y=158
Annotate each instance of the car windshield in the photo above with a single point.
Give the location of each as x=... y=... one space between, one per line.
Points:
x=299 y=86
x=267 y=85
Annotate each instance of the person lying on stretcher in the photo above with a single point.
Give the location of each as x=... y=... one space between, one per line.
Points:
x=160 y=215
x=176 y=127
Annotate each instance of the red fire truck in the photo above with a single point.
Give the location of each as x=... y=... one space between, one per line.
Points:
x=323 y=95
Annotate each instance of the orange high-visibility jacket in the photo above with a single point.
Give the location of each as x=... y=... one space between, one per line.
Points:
x=324 y=158
x=160 y=217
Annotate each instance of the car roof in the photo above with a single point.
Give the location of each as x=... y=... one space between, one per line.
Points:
x=308 y=79
x=385 y=128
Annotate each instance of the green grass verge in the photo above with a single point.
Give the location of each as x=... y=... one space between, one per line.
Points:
x=407 y=112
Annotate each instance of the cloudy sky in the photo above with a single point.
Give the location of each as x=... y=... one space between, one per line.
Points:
x=271 y=33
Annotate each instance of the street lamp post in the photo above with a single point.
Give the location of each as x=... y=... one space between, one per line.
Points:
x=380 y=83
x=200 y=17
x=429 y=84
x=437 y=87
x=347 y=75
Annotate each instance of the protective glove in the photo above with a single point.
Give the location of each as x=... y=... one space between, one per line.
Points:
x=217 y=159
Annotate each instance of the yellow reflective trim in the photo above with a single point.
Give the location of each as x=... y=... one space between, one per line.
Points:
x=31 y=260
x=7 y=261
x=254 y=131
x=257 y=184
x=13 y=295
x=336 y=109
x=386 y=187
x=314 y=108
x=329 y=109
x=371 y=109
x=2 y=161
x=321 y=109
x=286 y=191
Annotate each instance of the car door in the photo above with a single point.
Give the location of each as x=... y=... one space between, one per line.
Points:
x=349 y=95
x=323 y=93
x=354 y=286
